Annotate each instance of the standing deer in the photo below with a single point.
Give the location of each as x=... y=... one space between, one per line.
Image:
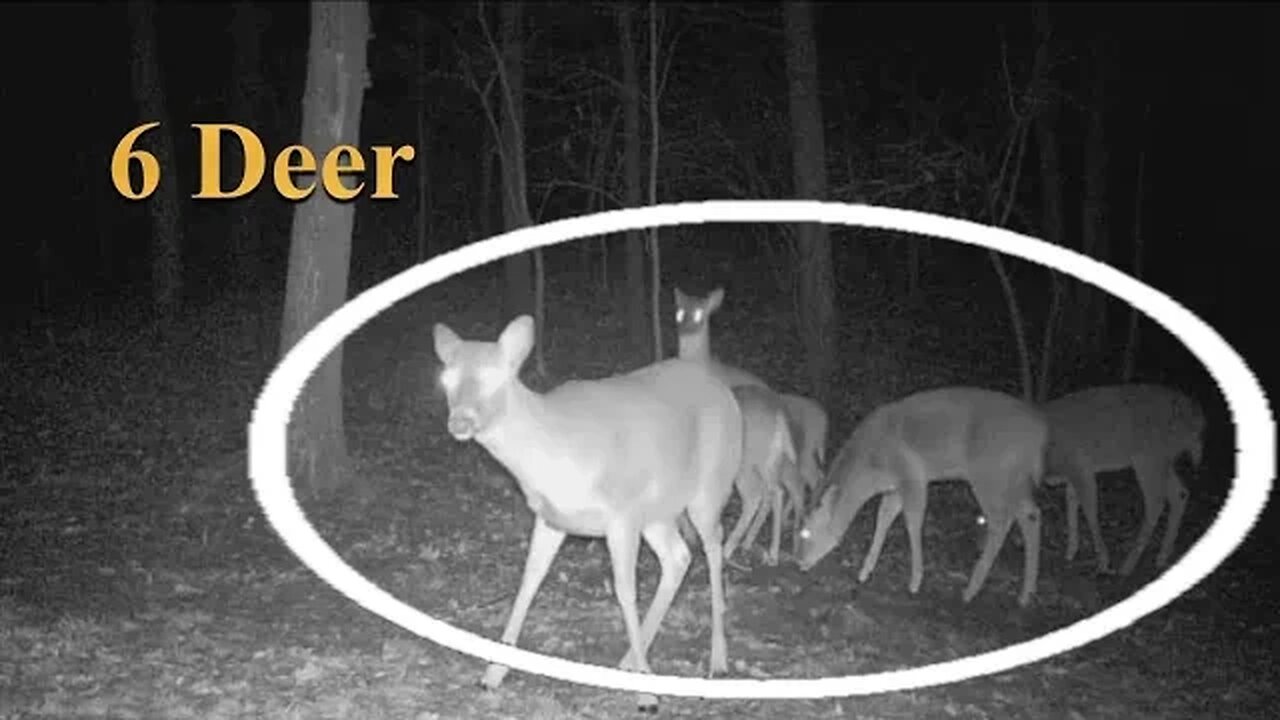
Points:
x=693 y=334
x=809 y=428
x=993 y=441
x=768 y=469
x=1116 y=427
x=806 y=417
x=621 y=457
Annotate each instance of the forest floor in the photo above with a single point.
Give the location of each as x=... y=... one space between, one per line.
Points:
x=138 y=578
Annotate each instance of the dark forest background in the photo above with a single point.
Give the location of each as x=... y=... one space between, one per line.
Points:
x=135 y=335
x=915 y=102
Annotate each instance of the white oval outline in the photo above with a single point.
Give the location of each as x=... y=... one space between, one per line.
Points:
x=1255 y=446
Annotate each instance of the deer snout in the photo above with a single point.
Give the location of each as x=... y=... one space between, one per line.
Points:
x=463 y=425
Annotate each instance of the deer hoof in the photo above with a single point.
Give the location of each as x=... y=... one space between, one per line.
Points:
x=647 y=705
x=493 y=677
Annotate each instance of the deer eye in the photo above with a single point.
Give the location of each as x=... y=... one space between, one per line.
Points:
x=449 y=378
x=679 y=315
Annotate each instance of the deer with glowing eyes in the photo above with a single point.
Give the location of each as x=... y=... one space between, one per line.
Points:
x=781 y=464
x=621 y=458
x=993 y=441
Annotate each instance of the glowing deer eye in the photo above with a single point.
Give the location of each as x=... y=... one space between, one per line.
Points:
x=449 y=378
x=680 y=315
x=697 y=315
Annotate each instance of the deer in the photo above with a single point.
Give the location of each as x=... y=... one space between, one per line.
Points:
x=622 y=457
x=768 y=471
x=807 y=418
x=809 y=428
x=1116 y=427
x=992 y=440
x=693 y=335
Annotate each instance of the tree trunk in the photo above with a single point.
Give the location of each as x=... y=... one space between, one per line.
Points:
x=246 y=103
x=484 y=204
x=1132 y=337
x=915 y=247
x=166 y=220
x=320 y=249
x=599 y=167
x=519 y=268
x=1091 y=316
x=637 y=324
x=1045 y=127
x=655 y=135
x=817 y=305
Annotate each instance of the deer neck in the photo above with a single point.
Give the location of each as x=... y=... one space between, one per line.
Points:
x=860 y=484
x=851 y=501
x=695 y=346
x=515 y=438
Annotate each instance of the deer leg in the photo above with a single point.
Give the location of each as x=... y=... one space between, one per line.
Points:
x=795 y=485
x=1176 y=496
x=914 y=500
x=762 y=508
x=751 y=500
x=808 y=477
x=1073 y=519
x=782 y=487
x=704 y=515
x=543 y=546
x=775 y=543
x=1028 y=517
x=998 y=523
x=1088 y=502
x=624 y=547
x=673 y=557
x=890 y=506
x=795 y=514
x=1150 y=474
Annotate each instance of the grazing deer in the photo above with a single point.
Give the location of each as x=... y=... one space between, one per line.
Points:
x=809 y=428
x=621 y=457
x=994 y=441
x=1116 y=427
x=768 y=472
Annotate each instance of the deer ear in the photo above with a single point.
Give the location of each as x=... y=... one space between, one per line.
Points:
x=714 y=299
x=681 y=298
x=517 y=340
x=447 y=342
